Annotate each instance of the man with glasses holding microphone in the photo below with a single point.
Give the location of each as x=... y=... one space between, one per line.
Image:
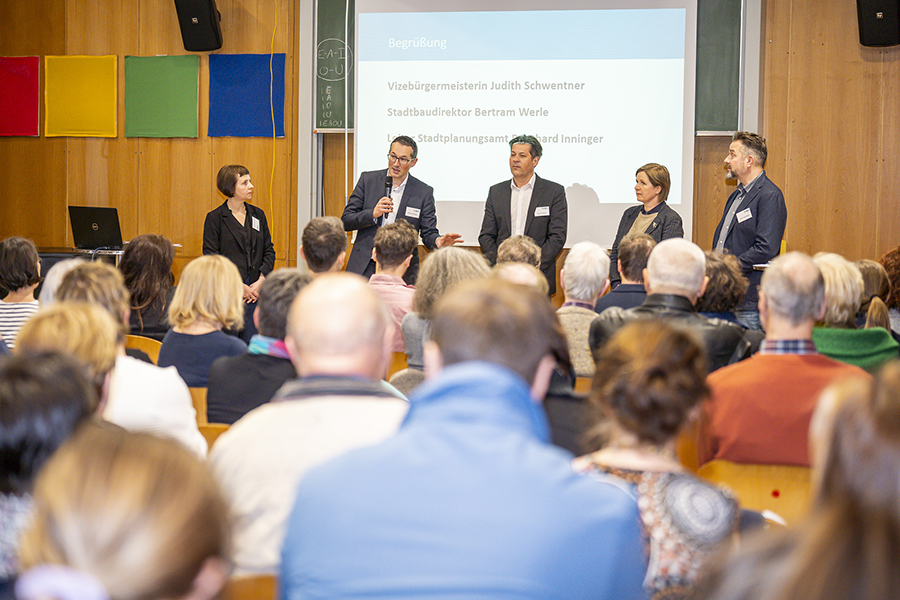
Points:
x=382 y=197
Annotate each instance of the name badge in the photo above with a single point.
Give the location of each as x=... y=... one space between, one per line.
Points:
x=412 y=213
x=743 y=215
x=542 y=211
x=254 y=223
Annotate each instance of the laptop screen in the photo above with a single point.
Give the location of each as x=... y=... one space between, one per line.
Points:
x=95 y=227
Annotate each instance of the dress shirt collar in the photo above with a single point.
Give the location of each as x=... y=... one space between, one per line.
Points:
x=800 y=347
x=527 y=186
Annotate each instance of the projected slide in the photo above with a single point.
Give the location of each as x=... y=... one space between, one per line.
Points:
x=604 y=91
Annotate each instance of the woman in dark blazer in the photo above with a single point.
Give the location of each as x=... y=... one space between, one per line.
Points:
x=654 y=217
x=239 y=231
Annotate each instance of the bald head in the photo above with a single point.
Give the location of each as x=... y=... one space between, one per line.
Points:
x=793 y=288
x=678 y=267
x=339 y=326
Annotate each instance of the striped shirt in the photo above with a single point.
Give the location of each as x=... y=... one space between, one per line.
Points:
x=12 y=316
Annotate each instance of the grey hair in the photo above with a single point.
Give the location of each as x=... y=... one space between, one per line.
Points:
x=794 y=287
x=587 y=268
x=677 y=266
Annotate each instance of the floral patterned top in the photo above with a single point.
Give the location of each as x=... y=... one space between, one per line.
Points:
x=684 y=521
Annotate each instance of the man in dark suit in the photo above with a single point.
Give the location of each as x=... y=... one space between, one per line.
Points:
x=526 y=205
x=370 y=207
x=755 y=215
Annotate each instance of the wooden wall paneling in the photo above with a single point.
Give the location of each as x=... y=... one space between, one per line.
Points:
x=333 y=172
x=887 y=233
x=834 y=102
x=34 y=198
x=776 y=86
x=711 y=189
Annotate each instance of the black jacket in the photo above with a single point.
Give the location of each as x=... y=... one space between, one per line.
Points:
x=667 y=224
x=222 y=235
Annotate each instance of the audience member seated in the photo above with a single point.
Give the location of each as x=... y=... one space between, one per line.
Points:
x=142 y=396
x=838 y=337
x=44 y=397
x=393 y=251
x=675 y=278
x=650 y=376
x=891 y=263
x=20 y=274
x=339 y=340
x=847 y=547
x=323 y=245
x=519 y=249
x=873 y=312
x=634 y=252
x=122 y=515
x=583 y=279
x=759 y=409
x=467 y=500
x=208 y=299
x=448 y=266
x=523 y=274
x=147 y=268
x=54 y=277
x=238 y=384
x=724 y=293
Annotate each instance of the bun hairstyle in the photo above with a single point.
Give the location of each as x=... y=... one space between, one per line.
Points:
x=649 y=377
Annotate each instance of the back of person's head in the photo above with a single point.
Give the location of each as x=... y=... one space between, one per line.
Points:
x=499 y=322
x=442 y=269
x=210 y=289
x=649 y=378
x=587 y=268
x=19 y=264
x=520 y=249
x=322 y=242
x=81 y=330
x=794 y=288
x=276 y=295
x=658 y=175
x=54 y=277
x=727 y=285
x=339 y=321
x=676 y=266
x=394 y=243
x=523 y=274
x=227 y=178
x=100 y=284
x=139 y=515
x=843 y=288
x=891 y=263
x=44 y=397
x=754 y=144
x=634 y=253
x=876 y=289
x=147 y=268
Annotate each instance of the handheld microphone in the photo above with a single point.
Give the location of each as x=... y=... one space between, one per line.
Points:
x=388 y=186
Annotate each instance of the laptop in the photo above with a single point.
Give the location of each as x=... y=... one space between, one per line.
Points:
x=95 y=227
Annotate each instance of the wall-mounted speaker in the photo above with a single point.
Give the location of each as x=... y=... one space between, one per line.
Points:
x=199 y=22
x=879 y=22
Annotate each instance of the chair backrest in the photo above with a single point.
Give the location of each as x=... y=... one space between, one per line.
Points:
x=212 y=431
x=398 y=363
x=583 y=384
x=782 y=489
x=254 y=587
x=198 y=396
x=145 y=344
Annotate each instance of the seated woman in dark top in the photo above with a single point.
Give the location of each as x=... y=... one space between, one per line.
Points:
x=207 y=300
x=147 y=268
x=650 y=376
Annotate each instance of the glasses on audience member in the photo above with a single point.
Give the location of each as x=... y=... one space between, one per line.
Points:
x=399 y=159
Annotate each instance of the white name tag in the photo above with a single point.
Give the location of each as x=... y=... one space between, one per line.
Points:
x=743 y=215
x=542 y=211
x=254 y=222
x=412 y=213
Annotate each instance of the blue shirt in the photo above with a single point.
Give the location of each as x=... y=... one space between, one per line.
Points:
x=193 y=355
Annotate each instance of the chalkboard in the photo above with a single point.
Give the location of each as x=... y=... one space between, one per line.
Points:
x=332 y=49
x=718 y=65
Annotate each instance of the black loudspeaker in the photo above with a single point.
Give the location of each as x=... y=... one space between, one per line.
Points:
x=879 y=22
x=199 y=22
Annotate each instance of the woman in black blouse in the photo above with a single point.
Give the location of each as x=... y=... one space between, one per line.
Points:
x=239 y=231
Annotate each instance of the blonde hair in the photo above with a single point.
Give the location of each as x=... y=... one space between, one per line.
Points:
x=100 y=284
x=210 y=288
x=138 y=513
x=523 y=274
x=843 y=288
x=78 y=329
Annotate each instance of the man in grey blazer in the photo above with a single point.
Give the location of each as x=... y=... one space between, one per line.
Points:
x=526 y=205
x=371 y=205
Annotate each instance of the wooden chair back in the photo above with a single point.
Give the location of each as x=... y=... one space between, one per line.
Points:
x=583 y=384
x=782 y=489
x=252 y=587
x=212 y=431
x=398 y=363
x=144 y=344
x=198 y=395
